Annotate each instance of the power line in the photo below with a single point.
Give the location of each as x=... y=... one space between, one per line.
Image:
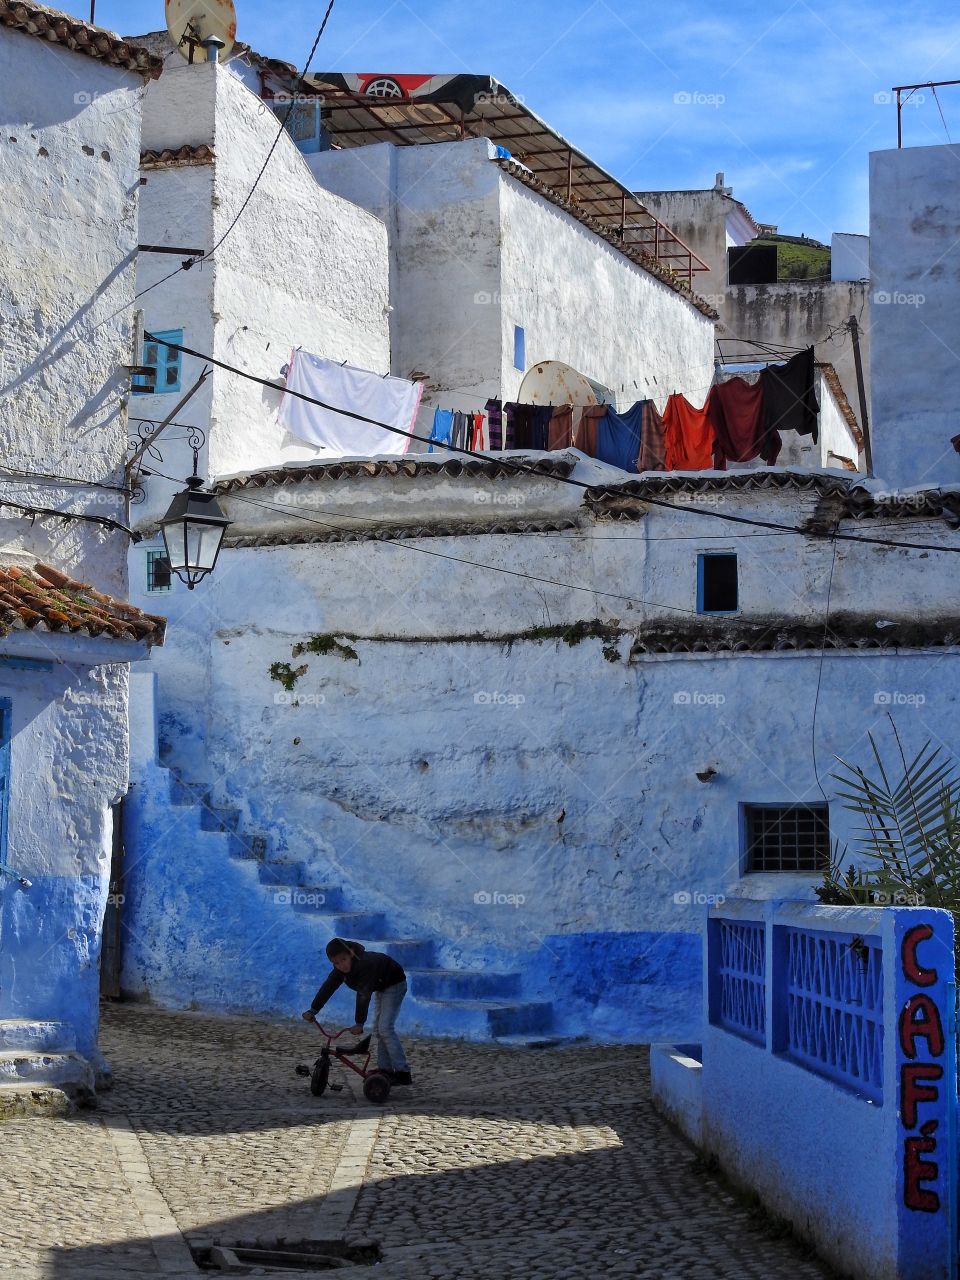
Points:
x=520 y=468
x=192 y=262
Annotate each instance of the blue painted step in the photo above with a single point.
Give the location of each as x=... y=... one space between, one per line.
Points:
x=479 y=1019
x=321 y=899
x=463 y=984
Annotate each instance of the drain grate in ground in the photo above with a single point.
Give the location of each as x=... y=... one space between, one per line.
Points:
x=285 y=1255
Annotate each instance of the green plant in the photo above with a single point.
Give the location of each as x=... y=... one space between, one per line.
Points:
x=324 y=644
x=908 y=847
x=286 y=675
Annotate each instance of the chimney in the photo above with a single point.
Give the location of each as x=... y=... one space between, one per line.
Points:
x=718 y=186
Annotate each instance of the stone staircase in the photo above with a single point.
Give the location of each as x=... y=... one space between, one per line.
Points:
x=472 y=1004
x=41 y=1072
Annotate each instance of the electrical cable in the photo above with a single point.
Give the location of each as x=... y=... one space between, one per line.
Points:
x=942 y=117
x=192 y=262
x=520 y=468
x=44 y=476
x=44 y=513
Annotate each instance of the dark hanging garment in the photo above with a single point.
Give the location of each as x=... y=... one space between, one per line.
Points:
x=540 y=429
x=790 y=397
x=653 y=449
x=462 y=428
x=737 y=412
x=521 y=425
x=494 y=411
x=618 y=437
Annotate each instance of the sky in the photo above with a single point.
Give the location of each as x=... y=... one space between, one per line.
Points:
x=787 y=98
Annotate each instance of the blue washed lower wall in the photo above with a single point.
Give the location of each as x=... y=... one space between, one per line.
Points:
x=49 y=958
x=202 y=930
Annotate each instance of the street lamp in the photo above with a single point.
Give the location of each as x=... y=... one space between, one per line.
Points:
x=193 y=530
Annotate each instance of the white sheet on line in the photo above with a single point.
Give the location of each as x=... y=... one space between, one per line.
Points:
x=394 y=401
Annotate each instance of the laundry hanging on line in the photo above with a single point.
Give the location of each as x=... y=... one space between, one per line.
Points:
x=736 y=409
x=388 y=400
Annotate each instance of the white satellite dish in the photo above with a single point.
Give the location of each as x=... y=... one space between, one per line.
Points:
x=203 y=30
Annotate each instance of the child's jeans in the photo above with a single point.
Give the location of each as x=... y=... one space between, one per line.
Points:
x=386 y=1006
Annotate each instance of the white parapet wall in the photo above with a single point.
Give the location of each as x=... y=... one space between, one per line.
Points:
x=914 y=320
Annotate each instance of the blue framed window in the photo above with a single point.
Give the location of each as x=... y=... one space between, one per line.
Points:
x=165 y=360
x=159 y=577
x=519 y=348
x=718 y=588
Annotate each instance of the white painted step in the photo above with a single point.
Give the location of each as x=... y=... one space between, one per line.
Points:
x=64 y=1070
x=36 y=1037
x=18 y=1101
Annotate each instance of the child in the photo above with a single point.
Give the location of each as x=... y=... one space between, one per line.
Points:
x=369 y=973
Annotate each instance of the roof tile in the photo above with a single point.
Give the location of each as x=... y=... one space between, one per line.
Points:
x=81 y=37
x=46 y=599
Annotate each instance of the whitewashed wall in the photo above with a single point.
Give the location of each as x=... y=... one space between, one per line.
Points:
x=69 y=181
x=914 y=323
x=475 y=253
x=301 y=268
x=456 y=753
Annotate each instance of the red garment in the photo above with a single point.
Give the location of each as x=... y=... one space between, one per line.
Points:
x=689 y=436
x=560 y=430
x=476 y=441
x=652 y=445
x=736 y=411
x=586 y=435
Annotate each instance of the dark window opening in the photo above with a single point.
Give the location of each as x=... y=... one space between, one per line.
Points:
x=158 y=571
x=717 y=586
x=787 y=838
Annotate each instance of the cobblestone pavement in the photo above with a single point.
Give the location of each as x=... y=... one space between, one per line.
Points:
x=538 y=1165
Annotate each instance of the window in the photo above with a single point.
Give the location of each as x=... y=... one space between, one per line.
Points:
x=786 y=837
x=304 y=123
x=717 y=589
x=519 y=348
x=158 y=571
x=165 y=361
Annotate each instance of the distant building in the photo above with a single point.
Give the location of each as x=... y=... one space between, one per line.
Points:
x=757 y=305
x=70 y=100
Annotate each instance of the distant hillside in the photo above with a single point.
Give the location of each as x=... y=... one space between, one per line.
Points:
x=799 y=258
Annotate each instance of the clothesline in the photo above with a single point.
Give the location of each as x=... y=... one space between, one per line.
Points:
x=739 y=421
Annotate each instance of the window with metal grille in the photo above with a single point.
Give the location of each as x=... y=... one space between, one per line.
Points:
x=787 y=837
x=158 y=571
x=717 y=587
x=165 y=360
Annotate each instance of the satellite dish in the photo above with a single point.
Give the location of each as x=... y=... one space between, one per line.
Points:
x=551 y=382
x=203 y=30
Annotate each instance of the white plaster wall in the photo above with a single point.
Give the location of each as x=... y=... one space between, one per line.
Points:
x=849 y=256
x=69 y=167
x=836 y=439
x=580 y=301
x=914 y=322
x=301 y=268
x=700 y=219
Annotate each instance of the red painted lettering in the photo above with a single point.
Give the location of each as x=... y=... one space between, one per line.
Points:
x=912 y=967
x=913 y=1090
x=916 y=1171
x=921 y=1017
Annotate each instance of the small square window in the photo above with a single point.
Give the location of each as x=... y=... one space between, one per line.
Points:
x=165 y=361
x=786 y=837
x=159 y=577
x=717 y=585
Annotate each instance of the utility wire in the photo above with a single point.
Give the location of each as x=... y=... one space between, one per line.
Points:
x=192 y=262
x=532 y=469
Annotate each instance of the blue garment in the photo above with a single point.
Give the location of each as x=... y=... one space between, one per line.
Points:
x=386 y=1006
x=442 y=428
x=618 y=437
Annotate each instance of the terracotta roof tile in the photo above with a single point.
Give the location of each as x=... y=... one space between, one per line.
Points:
x=81 y=37
x=393 y=533
x=170 y=159
x=45 y=599
x=413 y=466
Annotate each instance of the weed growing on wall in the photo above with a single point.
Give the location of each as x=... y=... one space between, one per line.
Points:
x=287 y=675
x=324 y=644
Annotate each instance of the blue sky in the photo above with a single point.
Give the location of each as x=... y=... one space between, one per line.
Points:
x=780 y=95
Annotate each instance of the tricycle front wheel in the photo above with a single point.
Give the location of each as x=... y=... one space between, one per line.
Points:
x=321 y=1074
x=376 y=1087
